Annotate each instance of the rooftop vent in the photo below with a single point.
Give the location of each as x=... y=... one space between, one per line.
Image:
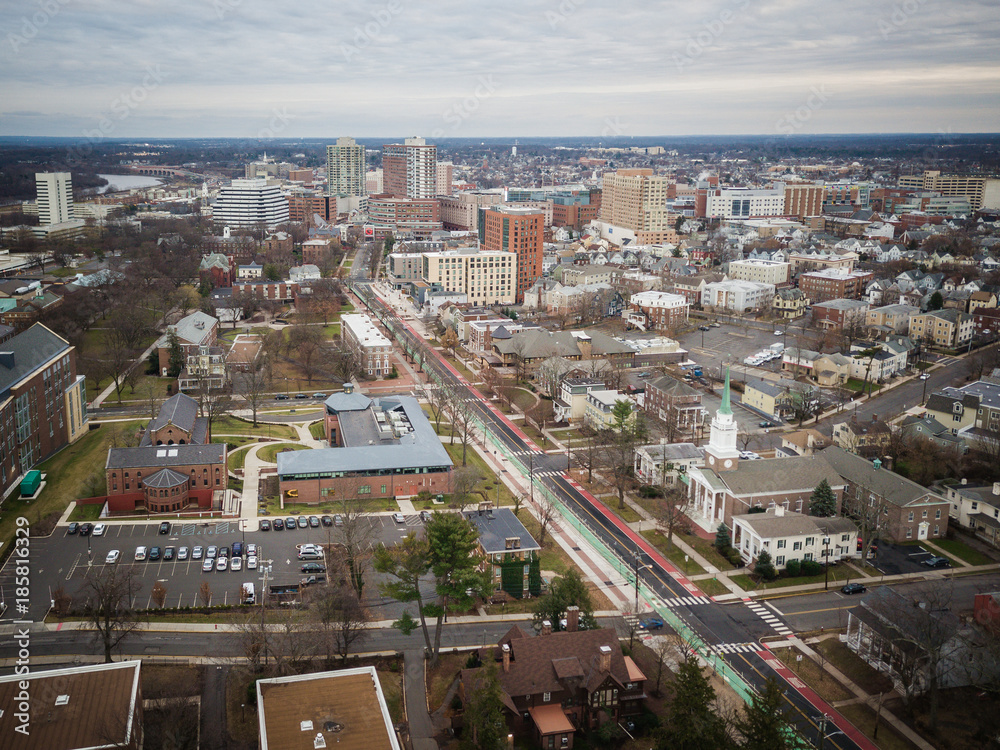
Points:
x=62 y=700
x=306 y=726
x=7 y=360
x=319 y=741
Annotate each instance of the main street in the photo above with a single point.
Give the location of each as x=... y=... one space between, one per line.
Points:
x=727 y=629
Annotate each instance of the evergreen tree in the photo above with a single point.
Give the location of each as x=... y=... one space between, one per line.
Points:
x=722 y=537
x=765 y=566
x=566 y=591
x=764 y=723
x=693 y=721
x=822 y=502
x=175 y=365
x=484 y=723
x=936 y=301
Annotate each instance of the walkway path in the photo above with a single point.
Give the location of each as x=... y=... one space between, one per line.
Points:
x=415 y=695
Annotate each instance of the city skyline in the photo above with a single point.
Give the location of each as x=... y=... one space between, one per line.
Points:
x=244 y=69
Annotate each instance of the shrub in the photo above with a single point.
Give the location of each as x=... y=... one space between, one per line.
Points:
x=793 y=568
x=733 y=555
x=650 y=491
x=811 y=568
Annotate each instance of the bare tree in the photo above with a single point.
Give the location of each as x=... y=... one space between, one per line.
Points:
x=123 y=337
x=252 y=382
x=356 y=537
x=590 y=455
x=343 y=617
x=159 y=594
x=668 y=650
x=546 y=514
x=870 y=511
x=109 y=602
x=438 y=399
x=307 y=343
x=463 y=422
x=671 y=510
x=463 y=484
x=205 y=594
x=214 y=402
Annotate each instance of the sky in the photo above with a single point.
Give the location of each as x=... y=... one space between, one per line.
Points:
x=106 y=69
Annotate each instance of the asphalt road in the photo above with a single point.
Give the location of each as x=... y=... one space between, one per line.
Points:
x=717 y=625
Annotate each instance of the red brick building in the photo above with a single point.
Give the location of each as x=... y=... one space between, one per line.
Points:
x=414 y=216
x=518 y=230
x=834 y=283
x=675 y=403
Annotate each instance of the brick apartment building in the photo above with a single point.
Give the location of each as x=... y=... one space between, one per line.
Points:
x=656 y=311
x=274 y=291
x=315 y=252
x=675 y=403
x=418 y=217
x=42 y=400
x=517 y=230
x=838 y=314
x=834 y=283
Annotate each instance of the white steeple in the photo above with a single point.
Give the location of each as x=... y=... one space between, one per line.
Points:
x=721 y=451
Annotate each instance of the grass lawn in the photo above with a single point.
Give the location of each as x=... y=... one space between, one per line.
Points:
x=373 y=505
x=270 y=451
x=553 y=556
x=487 y=486
x=318 y=430
x=440 y=677
x=707 y=550
x=66 y=470
x=524 y=399
x=238 y=440
x=392 y=690
x=837 y=573
x=961 y=550
x=675 y=554
x=627 y=514
x=332 y=331
x=810 y=672
x=863 y=718
x=853 y=384
x=86 y=512
x=868 y=679
x=238 y=458
x=711 y=587
x=232 y=426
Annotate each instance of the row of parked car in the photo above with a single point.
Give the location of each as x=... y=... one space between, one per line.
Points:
x=762 y=357
x=301 y=522
x=217 y=558
x=285 y=396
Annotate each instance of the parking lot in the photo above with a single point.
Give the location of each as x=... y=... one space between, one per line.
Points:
x=894 y=559
x=727 y=344
x=66 y=560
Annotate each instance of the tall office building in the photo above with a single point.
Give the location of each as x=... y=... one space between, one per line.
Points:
x=55 y=197
x=981 y=191
x=636 y=200
x=345 y=168
x=517 y=230
x=249 y=203
x=409 y=169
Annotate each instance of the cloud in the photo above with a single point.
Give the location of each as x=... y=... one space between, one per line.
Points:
x=560 y=66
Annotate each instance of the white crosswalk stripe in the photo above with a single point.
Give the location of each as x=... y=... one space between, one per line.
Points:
x=769 y=617
x=553 y=473
x=736 y=648
x=686 y=601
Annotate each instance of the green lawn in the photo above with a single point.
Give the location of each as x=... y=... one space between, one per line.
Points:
x=332 y=331
x=707 y=550
x=553 y=556
x=237 y=458
x=711 y=587
x=318 y=430
x=675 y=554
x=488 y=485
x=373 y=505
x=66 y=472
x=232 y=426
x=524 y=399
x=627 y=514
x=837 y=573
x=270 y=451
x=237 y=440
x=961 y=550
x=86 y=512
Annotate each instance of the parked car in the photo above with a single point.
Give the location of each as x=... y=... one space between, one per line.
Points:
x=291 y=523
x=313 y=567
x=169 y=553
x=212 y=552
x=99 y=530
x=310 y=580
x=399 y=518
x=197 y=553
x=222 y=563
x=924 y=376
x=206 y=567
x=140 y=554
x=779 y=333
x=702 y=328
x=85 y=529
x=338 y=520
x=301 y=395
x=767 y=424
x=314 y=522
x=154 y=554
x=265 y=525
x=425 y=516
x=319 y=395
x=252 y=562
x=278 y=524
x=73 y=528
x=236 y=564
x=223 y=551
x=237 y=549
x=303 y=522
x=165 y=527
x=715 y=325
x=281 y=397
x=182 y=553
x=251 y=550
x=112 y=557
x=326 y=520
x=853 y=588
x=937 y=562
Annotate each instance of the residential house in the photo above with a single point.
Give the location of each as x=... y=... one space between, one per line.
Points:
x=527 y=349
x=664 y=464
x=876 y=361
x=890 y=319
x=674 y=403
x=598 y=410
x=955 y=408
x=928 y=428
x=506 y=550
x=803 y=442
x=976 y=508
x=766 y=398
x=788 y=536
x=864 y=437
x=283 y=292
x=838 y=314
x=912 y=511
x=789 y=303
x=193 y=332
x=204 y=369
x=656 y=311
x=92 y=707
x=831 y=369
x=945 y=328
x=556 y=684
x=571 y=402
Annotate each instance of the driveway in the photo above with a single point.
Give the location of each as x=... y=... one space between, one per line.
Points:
x=894 y=559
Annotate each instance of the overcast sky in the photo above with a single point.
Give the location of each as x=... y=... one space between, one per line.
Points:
x=466 y=68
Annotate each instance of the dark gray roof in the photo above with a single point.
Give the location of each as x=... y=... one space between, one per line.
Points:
x=341 y=402
x=420 y=448
x=883 y=482
x=165 y=456
x=771 y=475
x=180 y=409
x=673 y=387
x=23 y=354
x=496 y=526
x=165 y=478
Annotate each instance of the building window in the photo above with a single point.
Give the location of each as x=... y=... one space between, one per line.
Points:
x=780 y=560
x=937 y=514
x=911 y=516
x=365 y=490
x=781 y=544
x=797 y=546
x=546 y=697
x=909 y=533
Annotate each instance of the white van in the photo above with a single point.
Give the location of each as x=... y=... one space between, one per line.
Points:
x=247 y=593
x=140 y=553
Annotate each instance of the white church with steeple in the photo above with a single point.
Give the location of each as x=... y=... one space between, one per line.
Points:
x=726 y=486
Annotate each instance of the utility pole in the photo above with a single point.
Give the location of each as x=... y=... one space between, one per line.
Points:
x=531 y=476
x=826 y=564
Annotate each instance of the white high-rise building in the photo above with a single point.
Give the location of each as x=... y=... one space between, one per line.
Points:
x=54 y=192
x=248 y=203
x=345 y=168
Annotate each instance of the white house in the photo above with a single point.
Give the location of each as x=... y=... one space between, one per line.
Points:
x=787 y=536
x=663 y=464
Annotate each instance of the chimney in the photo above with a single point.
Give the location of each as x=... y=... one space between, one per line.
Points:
x=779 y=511
x=506 y=657
x=964 y=480
x=874 y=418
x=573 y=618
x=887 y=462
x=546 y=627
x=605 y=662
x=996 y=488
